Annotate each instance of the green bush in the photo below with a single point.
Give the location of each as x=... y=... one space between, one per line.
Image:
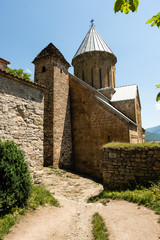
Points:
x=15 y=181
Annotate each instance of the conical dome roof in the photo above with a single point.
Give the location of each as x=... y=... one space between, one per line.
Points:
x=92 y=42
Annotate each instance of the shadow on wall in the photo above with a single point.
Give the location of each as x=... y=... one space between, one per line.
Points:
x=66 y=144
x=21 y=90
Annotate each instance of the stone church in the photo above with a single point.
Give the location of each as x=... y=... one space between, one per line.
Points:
x=72 y=116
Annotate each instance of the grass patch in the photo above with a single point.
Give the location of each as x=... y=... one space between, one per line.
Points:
x=130 y=145
x=39 y=196
x=149 y=197
x=99 y=229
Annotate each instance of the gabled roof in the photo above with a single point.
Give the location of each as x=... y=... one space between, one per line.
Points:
x=92 y=42
x=124 y=93
x=51 y=50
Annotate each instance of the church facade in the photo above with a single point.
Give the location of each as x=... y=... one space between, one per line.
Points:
x=84 y=111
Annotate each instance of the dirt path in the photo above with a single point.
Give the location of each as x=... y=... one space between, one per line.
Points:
x=125 y=221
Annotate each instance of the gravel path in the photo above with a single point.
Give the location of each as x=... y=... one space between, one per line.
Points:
x=125 y=221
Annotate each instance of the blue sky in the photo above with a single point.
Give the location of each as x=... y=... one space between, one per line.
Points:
x=28 y=26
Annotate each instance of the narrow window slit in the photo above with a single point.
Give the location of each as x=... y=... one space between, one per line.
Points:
x=43 y=69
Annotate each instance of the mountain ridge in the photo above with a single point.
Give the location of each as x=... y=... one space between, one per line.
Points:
x=153 y=134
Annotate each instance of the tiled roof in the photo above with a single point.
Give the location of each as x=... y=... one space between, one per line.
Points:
x=51 y=50
x=124 y=93
x=92 y=42
x=4 y=61
x=25 y=81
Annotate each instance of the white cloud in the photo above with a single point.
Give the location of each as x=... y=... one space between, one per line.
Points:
x=29 y=71
x=157 y=106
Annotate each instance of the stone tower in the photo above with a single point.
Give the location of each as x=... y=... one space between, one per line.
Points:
x=51 y=70
x=94 y=61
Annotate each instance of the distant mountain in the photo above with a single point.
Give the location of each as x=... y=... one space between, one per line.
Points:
x=153 y=134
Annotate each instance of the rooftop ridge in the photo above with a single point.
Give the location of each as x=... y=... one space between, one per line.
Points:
x=22 y=79
x=51 y=50
x=134 y=84
x=5 y=61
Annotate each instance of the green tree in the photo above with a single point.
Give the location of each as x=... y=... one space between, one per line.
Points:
x=132 y=5
x=19 y=73
x=158 y=95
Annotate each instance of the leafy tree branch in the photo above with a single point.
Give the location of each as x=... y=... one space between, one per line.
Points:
x=158 y=95
x=19 y=73
x=132 y=5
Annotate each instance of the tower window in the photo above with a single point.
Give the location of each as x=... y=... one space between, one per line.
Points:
x=92 y=76
x=108 y=77
x=43 y=69
x=100 y=77
x=60 y=70
x=109 y=139
x=83 y=75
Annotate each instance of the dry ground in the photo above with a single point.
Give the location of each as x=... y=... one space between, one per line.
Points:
x=125 y=221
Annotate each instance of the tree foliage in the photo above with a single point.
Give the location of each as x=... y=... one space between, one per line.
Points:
x=15 y=181
x=155 y=20
x=158 y=95
x=126 y=6
x=19 y=73
x=132 y=5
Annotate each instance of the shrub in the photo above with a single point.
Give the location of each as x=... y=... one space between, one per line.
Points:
x=15 y=181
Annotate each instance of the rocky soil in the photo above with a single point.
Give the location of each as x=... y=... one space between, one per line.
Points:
x=72 y=221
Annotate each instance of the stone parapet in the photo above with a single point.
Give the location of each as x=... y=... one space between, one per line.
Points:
x=124 y=166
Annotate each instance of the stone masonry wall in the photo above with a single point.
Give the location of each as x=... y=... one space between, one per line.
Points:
x=122 y=166
x=62 y=118
x=21 y=120
x=138 y=118
x=93 y=124
x=57 y=120
x=127 y=107
x=46 y=78
x=132 y=109
x=88 y=66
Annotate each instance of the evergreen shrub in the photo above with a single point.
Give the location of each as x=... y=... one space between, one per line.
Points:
x=15 y=181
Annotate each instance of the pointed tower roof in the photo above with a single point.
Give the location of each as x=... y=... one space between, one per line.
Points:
x=51 y=50
x=92 y=42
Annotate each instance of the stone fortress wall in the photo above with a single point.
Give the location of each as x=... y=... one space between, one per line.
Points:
x=63 y=120
x=123 y=166
x=21 y=119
